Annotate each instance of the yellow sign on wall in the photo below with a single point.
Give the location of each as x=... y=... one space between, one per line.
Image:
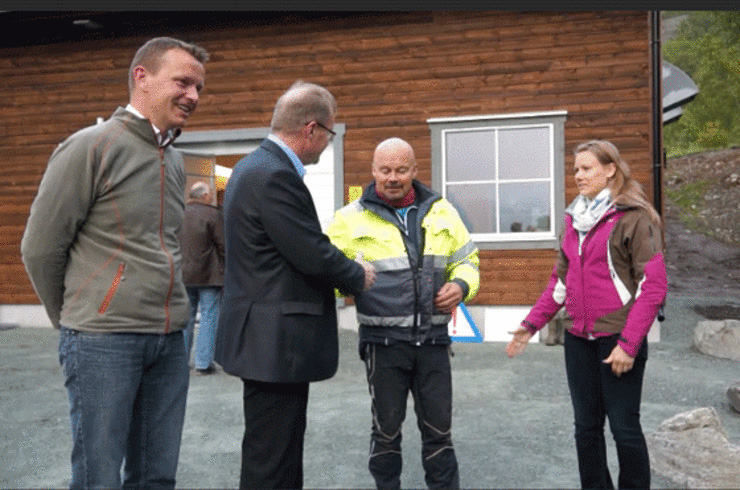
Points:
x=354 y=192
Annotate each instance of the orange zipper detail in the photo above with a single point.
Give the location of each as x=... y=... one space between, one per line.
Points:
x=112 y=290
x=164 y=246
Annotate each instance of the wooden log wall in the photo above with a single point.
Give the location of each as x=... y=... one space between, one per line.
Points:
x=390 y=72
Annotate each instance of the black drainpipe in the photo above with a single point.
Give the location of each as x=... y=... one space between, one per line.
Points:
x=657 y=84
x=657 y=102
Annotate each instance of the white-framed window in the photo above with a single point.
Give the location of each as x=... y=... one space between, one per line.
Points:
x=504 y=174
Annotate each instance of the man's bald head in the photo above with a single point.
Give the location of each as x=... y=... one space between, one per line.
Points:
x=394 y=168
x=394 y=146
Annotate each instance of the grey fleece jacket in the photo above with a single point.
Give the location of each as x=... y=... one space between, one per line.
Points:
x=100 y=245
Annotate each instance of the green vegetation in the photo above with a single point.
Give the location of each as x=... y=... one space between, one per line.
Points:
x=707 y=48
x=689 y=198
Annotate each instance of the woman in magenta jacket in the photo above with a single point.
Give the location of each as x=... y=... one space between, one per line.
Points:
x=611 y=278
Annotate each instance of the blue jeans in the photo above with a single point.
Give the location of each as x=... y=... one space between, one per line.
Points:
x=127 y=395
x=597 y=393
x=209 y=299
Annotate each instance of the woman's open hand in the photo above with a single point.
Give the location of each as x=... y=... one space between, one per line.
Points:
x=519 y=342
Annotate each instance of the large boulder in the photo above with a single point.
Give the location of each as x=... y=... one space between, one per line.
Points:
x=718 y=338
x=733 y=395
x=692 y=450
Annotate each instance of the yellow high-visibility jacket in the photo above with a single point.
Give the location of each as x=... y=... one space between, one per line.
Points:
x=400 y=305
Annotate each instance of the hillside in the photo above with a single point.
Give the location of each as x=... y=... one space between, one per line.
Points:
x=703 y=226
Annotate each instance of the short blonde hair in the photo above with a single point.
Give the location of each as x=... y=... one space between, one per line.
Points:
x=149 y=55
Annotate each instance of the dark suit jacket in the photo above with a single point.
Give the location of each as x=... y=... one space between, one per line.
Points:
x=278 y=316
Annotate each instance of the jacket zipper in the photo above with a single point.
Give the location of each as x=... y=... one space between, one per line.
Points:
x=581 y=251
x=583 y=283
x=112 y=289
x=415 y=278
x=415 y=273
x=161 y=240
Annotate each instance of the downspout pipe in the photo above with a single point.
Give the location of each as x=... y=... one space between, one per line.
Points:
x=657 y=102
x=657 y=84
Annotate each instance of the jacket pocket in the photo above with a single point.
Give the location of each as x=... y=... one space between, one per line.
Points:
x=112 y=289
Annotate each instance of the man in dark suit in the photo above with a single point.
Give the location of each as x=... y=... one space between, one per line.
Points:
x=278 y=326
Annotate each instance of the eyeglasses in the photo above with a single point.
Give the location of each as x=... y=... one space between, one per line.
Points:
x=332 y=133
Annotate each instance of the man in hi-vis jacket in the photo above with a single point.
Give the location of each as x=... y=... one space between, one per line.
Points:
x=426 y=265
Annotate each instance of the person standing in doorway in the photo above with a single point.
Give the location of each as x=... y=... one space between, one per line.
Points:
x=202 y=242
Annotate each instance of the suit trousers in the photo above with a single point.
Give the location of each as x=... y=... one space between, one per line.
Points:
x=274 y=427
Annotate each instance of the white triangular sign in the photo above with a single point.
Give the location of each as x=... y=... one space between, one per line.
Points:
x=461 y=327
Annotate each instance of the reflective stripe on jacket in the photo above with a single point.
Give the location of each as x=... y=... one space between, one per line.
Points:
x=400 y=304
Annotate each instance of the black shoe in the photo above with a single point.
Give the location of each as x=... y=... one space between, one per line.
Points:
x=209 y=370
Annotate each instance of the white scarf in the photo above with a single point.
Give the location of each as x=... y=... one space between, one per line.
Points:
x=587 y=212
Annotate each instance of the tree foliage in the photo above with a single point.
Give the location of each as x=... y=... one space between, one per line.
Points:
x=707 y=48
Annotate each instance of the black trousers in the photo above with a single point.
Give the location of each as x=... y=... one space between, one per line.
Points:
x=393 y=371
x=274 y=426
x=597 y=393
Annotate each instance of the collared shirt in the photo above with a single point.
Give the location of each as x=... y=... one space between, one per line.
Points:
x=291 y=154
x=162 y=140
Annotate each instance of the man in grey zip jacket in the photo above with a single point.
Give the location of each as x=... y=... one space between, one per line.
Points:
x=101 y=250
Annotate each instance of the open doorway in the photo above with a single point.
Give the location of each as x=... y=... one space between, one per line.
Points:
x=213 y=170
x=210 y=155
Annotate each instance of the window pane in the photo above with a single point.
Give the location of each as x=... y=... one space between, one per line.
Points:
x=476 y=204
x=524 y=153
x=470 y=155
x=525 y=207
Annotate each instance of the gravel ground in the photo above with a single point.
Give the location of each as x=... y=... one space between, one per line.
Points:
x=512 y=420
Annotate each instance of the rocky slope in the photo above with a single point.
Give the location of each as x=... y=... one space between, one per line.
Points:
x=702 y=216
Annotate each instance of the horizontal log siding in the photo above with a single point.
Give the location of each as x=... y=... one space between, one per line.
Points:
x=390 y=72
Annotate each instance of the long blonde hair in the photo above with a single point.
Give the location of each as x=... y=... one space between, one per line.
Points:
x=626 y=191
